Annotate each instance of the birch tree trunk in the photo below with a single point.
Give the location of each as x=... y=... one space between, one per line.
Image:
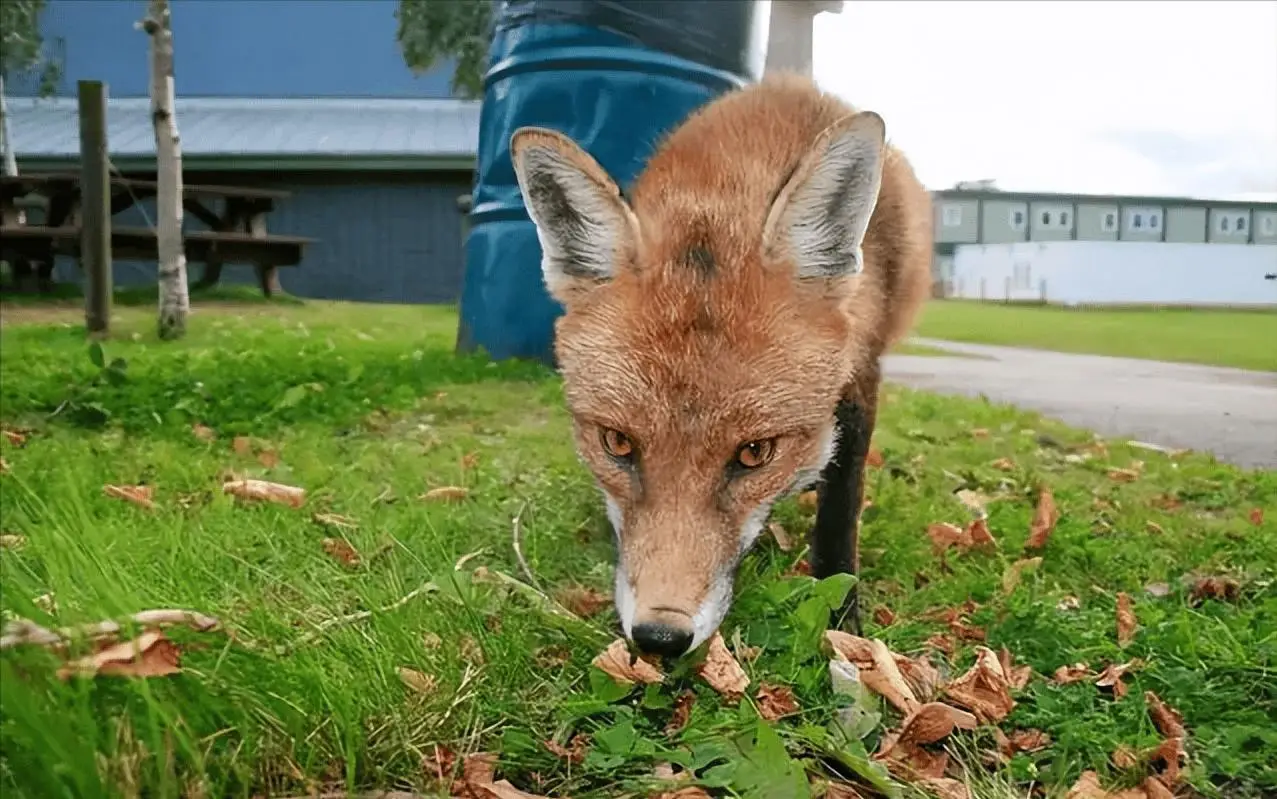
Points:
x=175 y=300
x=6 y=141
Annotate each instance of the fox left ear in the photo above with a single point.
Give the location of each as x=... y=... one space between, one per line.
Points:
x=585 y=227
x=820 y=217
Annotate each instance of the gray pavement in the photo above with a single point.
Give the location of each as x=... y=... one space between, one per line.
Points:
x=1231 y=413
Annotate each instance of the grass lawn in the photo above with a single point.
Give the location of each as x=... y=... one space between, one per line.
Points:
x=1243 y=339
x=368 y=410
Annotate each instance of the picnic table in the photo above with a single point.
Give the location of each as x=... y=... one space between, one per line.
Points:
x=236 y=234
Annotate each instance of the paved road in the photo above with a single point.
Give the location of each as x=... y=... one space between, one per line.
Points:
x=1229 y=412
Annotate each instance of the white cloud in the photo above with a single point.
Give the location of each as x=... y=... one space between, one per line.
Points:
x=1116 y=97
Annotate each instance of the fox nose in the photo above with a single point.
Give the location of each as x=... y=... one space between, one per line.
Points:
x=655 y=638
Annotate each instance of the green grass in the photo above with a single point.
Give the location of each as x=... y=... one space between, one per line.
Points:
x=1242 y=339
x=368 y=408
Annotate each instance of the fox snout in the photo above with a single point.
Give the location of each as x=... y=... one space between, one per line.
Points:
x=667 y=633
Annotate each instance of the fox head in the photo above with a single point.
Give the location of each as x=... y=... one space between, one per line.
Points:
x=705 y=344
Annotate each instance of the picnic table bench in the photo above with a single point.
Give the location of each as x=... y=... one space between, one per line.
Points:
x=236 y=235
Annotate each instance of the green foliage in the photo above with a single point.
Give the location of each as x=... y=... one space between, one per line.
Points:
x=367 y=408
x=23 y=44
x=431 y=31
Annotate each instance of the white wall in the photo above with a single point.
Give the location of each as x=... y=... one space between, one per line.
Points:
x=1117 y=272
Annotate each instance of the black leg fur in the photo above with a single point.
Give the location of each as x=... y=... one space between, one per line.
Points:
x=834 y=549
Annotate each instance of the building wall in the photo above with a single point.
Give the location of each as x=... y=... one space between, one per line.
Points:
x=1265 y=227
x=956 y=220
x=1117 y=273
x=1098 y=221
x=1230 y=225
x=1051 y=221
x=1004 y=221
x=380 y=237
x=1186 y=224
x=262 y=48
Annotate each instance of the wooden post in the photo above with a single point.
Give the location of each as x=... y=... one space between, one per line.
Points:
x=95 y=188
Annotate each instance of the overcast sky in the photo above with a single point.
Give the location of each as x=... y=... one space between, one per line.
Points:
x=1142 y=97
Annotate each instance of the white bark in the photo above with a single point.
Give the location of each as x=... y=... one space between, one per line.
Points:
x=6 y=140
x=174 y=298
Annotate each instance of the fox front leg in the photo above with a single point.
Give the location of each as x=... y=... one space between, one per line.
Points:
x=834 y=538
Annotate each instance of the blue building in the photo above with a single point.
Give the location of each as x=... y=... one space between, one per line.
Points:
x=310 y=96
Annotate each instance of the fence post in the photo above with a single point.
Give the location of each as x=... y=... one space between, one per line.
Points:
x=95 y=199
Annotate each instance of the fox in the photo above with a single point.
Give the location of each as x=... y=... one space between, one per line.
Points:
x=723 y=325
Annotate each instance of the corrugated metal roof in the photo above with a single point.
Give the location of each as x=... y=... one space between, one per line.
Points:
x=227 y=129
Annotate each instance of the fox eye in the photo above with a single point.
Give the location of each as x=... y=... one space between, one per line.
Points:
x=756 y=453
x=617 y=444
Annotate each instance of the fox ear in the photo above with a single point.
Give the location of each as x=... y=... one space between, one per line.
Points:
x=820 y=217
x=584 y=225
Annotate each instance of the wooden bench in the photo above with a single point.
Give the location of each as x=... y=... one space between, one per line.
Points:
x=237 y=235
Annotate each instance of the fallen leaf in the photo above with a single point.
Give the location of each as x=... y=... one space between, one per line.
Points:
x=1154 y=528
x=933 y=721
x=1068 y=603
x=138 y=495
x=923 y=678
x=582 y=600
x=1028 y=740
x=421 y=683
x=242 y=445
x=1126 y=623
x=946 y=788
x=781 y=535
x=966 y=632
x=800 y=569
x=1168 y=721
x=1124 y=757
x=840 y=790
x=1171 y=757
x=1066 y=675
x=151 y=654
x=1004 y=464
x=335 y=520
x=1158 y=590
x=339 y=549
x=479 y=767
x=1256 y=516
x=469 y=460
x=617 y=663
x=775 y=701
x=807 y=500
x=979 y=432
x=1011 y=577
x=1154 y=789
x=883 y=616
x=267 y=491
x=1167 y=502
x=438 y=765
x=4 y=466
x=681 y=714
x=690 y=792
x=1123 y=475
x=12 y=541
x=14 y=437
x=268 y=458
x=470 y=650
x=574 y=752
x=1225 y=589
x=1017 y=678
x=1087 y=787
x=446 y=494
x=984 y=688
x=979 y=535
x=944 y=535
x=203 y=432
x=944 y=643
x=1045 y=516
x=1112 y=675
x=721 y=670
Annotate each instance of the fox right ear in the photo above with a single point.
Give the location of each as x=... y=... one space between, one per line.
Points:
x=584 y=225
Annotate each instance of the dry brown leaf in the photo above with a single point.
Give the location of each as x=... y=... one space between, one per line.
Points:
x=1168 y=721
x=4 y=466
x=850 y=647
x=1065 y=675
x=242 y=445
x=469 y=460
x=1126 y=623
x=446 y=494
x=885 y=679
x=807 y=500
x=268 y=458
x=1171 y=757
x=775 y=701
x=931 y=722
x=681 y=714
x=335 y=520
x=1256 y=516
x=1017 y=678
x=984 y=688
x=1123 y=475
x=874 y=459
x=1167 y=502
x=1112 y=675
x=1045 y=515
x=781 y=535
x=417 y=681
x=339 y=549
x=1011 y=577
x=479 y=767
x=266 y=491
x=1158 y=590
x=967 y=632
x=910 y=762
x=1153 y=789
x=12 y=541
x=979 y=535
x=841 y=790
x=203 y=432
x=690 y=792
x=944 y=535
x=1068 y=603
x=1028 y=740
x=883 y=616
x=979 y=432
x=1124 y=757
x=1154 y=528
x=800 y=569
x=945 y=643
x=138 y=495
x=1225 y=589
x=721 y=670
x=470 y=650
x=946 y=788
x=1003 y=464
x=1087 y=787
x=582 y=600
x=922 y=677
x=617 y=663
x=151 y=654
x=574 y=752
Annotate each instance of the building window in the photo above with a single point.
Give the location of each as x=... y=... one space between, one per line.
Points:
x=1145 y=219
x=1017 y=219
x=1269 y=225
x=1223 y=223
x=953 y=216
x=1046 y=219
x=1064 y=219
x=1109 y=223
x=1137 y=220
x=1154 y=221
x=1240 y=227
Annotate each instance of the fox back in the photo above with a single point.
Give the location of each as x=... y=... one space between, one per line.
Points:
x=772 y=248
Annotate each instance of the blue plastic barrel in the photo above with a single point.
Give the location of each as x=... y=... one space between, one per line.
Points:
x=615 y=76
